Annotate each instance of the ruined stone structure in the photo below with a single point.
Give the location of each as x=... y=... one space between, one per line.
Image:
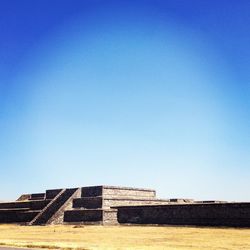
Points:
x=95 y=204
x=86 y=205
x=124 y=205
x=37 y=209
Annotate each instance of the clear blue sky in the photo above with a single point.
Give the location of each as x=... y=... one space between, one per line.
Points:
x=134 y=93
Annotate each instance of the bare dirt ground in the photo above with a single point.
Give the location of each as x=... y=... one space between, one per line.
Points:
x=14 y=248
x=123 y=237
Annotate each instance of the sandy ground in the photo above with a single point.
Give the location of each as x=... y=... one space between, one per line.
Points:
x=14 y=248
x=123 y=237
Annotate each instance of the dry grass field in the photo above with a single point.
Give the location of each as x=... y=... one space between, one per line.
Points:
x=123 y=237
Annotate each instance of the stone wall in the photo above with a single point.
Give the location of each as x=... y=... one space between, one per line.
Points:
x=91 y=191
x=81 y=216
x=37 y=196
x=13 y=216
x=32 y=204
x=52 y=193
x=91 y=216
x=111 y=191
x=113 y=202
x=15 y=204
x=88 y=202
x=99 y=205
x=217 y=214
x=100 y=202
x=110 y=217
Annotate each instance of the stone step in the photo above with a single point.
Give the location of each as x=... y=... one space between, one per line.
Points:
x=37 y=196
x=6 y=210
x=83 y=215
x=88 y=202
x=15 y=204
x=17 y=216
x=133 y=202
x=52 y=193
x=100 y=202
x=33 y=205
x=91 y=216
x=38 y=204
x=116 y=192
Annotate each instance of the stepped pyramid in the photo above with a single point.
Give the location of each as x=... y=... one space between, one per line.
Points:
x=85 y=205
x=95 y=206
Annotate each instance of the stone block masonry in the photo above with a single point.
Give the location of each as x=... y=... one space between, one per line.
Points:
x=53 y=206
x=85 y=205
x=37 y=209
x=105 y=205
x=94 y=205
x=114 y=191
x=205 y=214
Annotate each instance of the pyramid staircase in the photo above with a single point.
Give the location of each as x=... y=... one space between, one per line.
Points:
x=51 y=211
x=38 y=208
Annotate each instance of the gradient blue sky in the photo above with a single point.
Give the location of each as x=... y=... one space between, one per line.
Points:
x=134 y=93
